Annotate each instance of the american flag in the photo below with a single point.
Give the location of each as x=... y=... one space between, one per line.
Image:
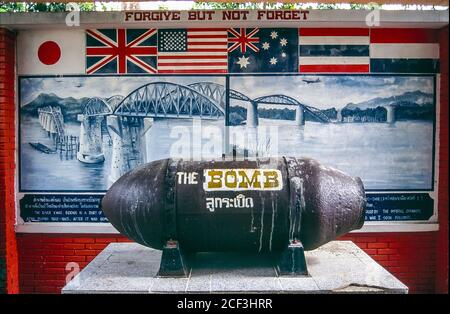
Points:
x=192 y=51
x=121 y=51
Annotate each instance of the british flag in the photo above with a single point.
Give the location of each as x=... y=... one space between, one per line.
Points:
x=121 y=51
x=243 y=38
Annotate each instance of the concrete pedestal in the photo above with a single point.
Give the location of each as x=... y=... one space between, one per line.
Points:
x=337 y=267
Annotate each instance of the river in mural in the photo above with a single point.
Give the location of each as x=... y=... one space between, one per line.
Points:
x=385 y=157
x=64 y=172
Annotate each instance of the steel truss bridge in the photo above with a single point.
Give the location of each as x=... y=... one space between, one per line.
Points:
x=97 y=106
x=170 y=100
x=51 y=119
x=287 y=100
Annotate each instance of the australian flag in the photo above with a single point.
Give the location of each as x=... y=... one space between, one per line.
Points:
x=262 y=50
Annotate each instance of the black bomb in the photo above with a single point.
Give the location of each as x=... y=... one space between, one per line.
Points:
x=258 y=205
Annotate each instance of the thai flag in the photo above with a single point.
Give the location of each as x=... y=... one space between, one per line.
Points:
x=404 y=50
x=334 y=50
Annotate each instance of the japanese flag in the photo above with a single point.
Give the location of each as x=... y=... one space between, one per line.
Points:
x=51 y=52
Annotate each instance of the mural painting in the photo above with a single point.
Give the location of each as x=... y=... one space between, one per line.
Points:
x=380 y=128
x=354 y=99
x=83 y=133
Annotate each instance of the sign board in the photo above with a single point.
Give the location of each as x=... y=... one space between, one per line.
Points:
x=96 y=103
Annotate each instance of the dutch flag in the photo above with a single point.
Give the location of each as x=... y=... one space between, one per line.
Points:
x=404 y=50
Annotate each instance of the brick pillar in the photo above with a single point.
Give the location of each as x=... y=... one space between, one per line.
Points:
x=442 y=240
x=8 y=247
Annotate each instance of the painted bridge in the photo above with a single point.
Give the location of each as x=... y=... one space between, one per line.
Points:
x=126 y=119
x=51 y=120
x=93 y=127
x=278 y=99
x=134 y=116
x=204 y=99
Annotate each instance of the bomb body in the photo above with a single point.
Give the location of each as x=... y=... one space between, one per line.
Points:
x=235 y=205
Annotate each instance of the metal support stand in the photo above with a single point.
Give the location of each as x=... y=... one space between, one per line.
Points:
x=292 y=261
x=173 y=261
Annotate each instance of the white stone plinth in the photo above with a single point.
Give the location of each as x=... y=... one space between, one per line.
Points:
x=337 y=267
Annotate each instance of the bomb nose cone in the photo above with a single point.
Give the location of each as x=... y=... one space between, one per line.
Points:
x=335 y=205
x=134 y=203
x=362 y=216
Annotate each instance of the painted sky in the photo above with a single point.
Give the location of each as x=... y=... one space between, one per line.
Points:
x=331 y=91
x=79 y=87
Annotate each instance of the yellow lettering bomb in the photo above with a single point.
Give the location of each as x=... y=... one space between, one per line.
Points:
x=242 y=179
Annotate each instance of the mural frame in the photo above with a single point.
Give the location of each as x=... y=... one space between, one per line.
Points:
x=106 y=227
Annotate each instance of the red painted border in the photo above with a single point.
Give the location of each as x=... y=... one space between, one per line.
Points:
x=403 y=35
x=442 y=239
x=419 y=259
x=333 y=31
x=8 y=245
x=335 y=68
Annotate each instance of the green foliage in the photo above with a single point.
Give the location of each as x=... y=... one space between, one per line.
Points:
x=103 y=6
x=163 y=7
x=369 y=6
x=327 y=6
x=41 y=7
x=87 y=6
x=244 y=5
x=12 y=7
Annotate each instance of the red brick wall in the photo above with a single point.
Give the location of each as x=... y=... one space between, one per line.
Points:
x=411 y=257
x=8 y=249
x=43 y=258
